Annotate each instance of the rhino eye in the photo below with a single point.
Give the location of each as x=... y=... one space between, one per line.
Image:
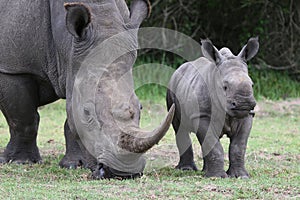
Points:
x=225 y=88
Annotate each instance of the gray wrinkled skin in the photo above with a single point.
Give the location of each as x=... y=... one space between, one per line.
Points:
x=214 y=96
x=43 y=44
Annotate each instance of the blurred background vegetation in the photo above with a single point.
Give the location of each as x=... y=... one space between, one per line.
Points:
x=276 y=68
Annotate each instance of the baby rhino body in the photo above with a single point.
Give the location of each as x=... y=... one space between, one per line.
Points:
x=213 y=96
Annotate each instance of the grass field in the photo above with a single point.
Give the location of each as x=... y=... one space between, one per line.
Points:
x=273 y=161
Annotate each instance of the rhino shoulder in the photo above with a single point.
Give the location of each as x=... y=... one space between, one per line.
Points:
x=190 y=70
x=199 y=63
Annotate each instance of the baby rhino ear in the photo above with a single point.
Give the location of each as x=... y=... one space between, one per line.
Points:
x=250 y=49
x=210 y=51
x=139 y=10
x=78 y=18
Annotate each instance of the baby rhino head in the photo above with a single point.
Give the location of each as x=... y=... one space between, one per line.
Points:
x=237 y=85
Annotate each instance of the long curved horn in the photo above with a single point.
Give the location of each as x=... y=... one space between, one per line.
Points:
x=138 y=141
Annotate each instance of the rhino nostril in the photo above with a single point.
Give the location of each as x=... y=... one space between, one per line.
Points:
x=233 y=104
x=131 y=113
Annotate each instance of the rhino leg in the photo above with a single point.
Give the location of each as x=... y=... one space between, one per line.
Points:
x=214 y=162
x=74 y=156
x=212 y=150
x=183 y=139
x=19 y=102
x=185 y=148
x=237 y=147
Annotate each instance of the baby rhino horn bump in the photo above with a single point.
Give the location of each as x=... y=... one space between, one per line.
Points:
x=138 y=141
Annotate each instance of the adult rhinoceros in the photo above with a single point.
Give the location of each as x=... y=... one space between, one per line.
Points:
x=42 y=46
x=214 y=96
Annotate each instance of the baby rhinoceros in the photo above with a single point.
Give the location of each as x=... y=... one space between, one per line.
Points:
x=213 y=96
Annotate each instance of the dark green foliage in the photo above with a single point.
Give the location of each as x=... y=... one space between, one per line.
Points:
x=231 y=23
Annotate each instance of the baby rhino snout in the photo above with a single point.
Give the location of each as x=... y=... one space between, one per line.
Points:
x=242 y=104
x=243 y=98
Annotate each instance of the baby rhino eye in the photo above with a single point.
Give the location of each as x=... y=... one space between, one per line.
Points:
x=225 y=85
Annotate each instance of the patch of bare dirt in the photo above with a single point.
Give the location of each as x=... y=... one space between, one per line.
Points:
x=163 y=155
x=284 y=107
x=275 y=156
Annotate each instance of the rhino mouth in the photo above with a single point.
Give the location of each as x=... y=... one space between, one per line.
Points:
x=242 y=109
x=239 y=112
x=104 y=172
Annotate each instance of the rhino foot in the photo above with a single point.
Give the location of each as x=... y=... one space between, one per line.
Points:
x=19 y=156
x=187 y=167
x=237 y=173
x=219 y=174
x=72 y=162
x=21 y=161
x=26 y=162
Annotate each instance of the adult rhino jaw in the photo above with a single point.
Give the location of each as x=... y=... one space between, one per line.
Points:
x=135 y=140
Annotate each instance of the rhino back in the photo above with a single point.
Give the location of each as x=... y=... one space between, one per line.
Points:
x=191 y=85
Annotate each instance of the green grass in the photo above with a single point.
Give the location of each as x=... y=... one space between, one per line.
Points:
x=273 y=85
x=273 y=161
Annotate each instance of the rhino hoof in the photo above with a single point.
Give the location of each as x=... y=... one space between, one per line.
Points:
x=70 y=163
x=187 y=168
x=238 y=173
x=221 y=174
x=190 y=167
x=26 y=162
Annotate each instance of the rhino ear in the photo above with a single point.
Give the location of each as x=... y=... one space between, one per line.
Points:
x=139 y=10
x=77 y=19
x=210 y=51
x=250 y=49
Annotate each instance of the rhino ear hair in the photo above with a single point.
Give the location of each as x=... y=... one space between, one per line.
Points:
x=77 y=19
x=210 y=52
x=139 y=10
x=250 y=49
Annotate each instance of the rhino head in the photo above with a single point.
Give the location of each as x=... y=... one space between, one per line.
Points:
x=105 y=110
x=237 y=85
